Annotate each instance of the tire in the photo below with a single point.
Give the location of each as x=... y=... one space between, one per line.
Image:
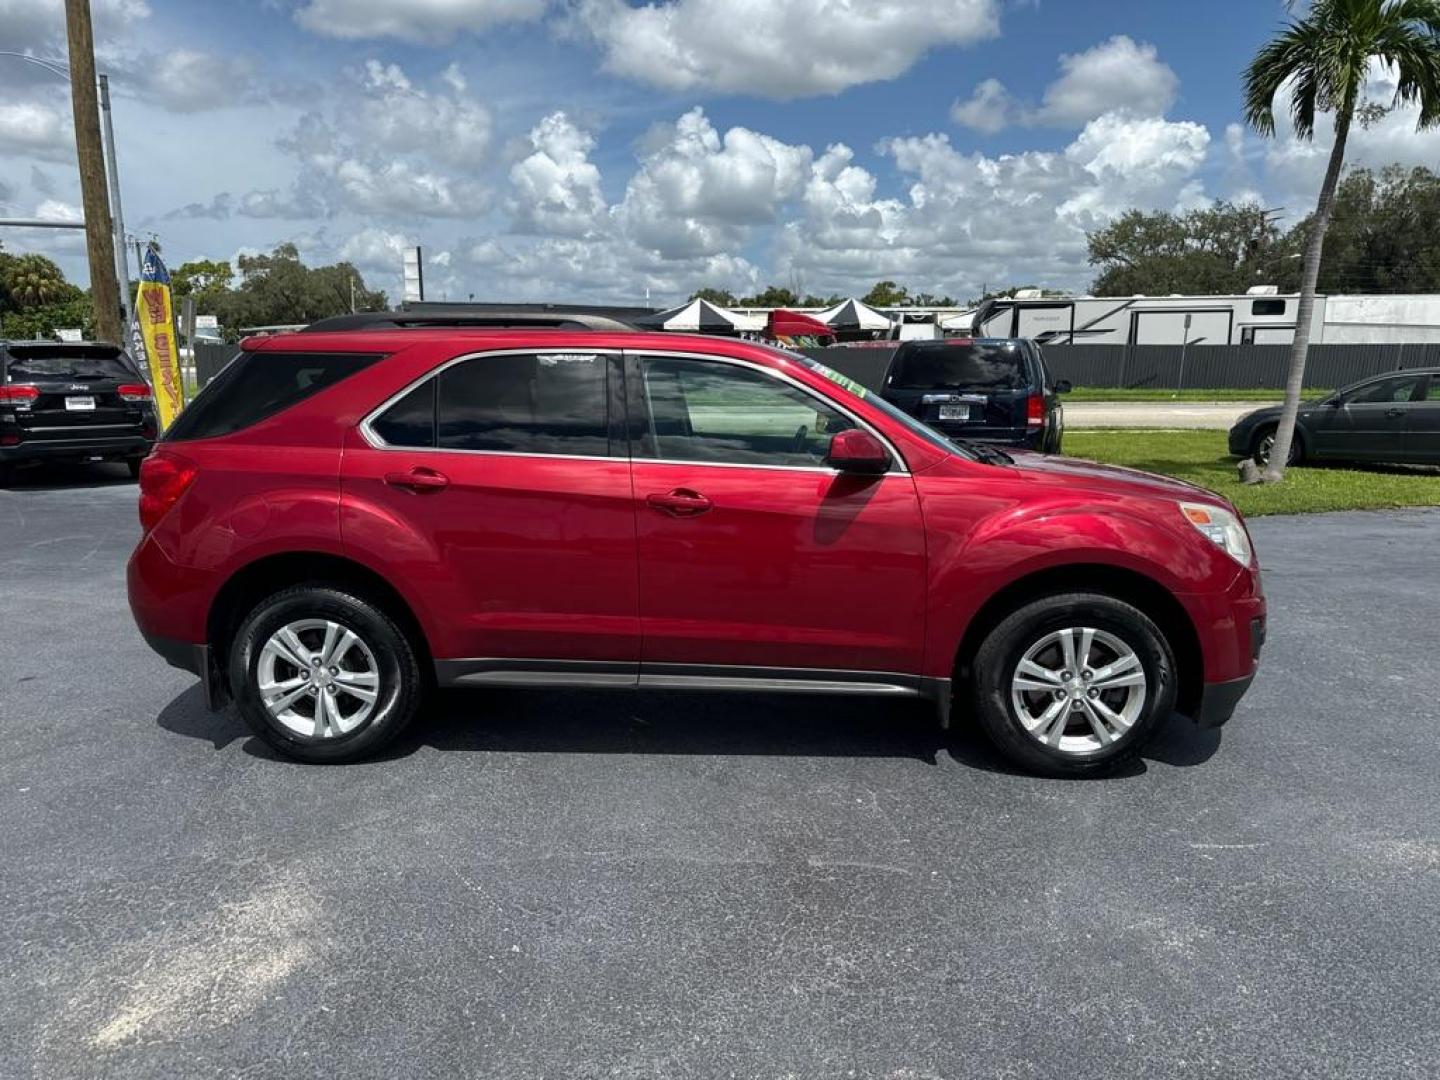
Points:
x=7 y=474
x=1260 y=447
x=1072 y=745
x=133 y=464
x=383 y=657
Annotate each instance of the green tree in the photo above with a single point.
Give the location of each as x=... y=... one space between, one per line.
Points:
x=773 y=296
x=886 y=294
x=205 y=279
x=1322 y=59
x=722 y=297
x=32 y=281
x=44 y=320
x=1219 y=249
x=278 y=289
x=1384 y=233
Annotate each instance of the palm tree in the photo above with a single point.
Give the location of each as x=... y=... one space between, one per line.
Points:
x=32 y=280
x=1323 y=59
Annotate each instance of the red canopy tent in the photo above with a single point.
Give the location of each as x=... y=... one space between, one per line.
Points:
x=792 y=324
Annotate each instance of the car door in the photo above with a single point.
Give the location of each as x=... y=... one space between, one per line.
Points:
x=1422 y=425
x=507 y=498
x=753 y=553
x=1367 y=424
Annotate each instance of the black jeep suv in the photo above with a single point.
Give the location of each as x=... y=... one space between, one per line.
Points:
x=80 y=401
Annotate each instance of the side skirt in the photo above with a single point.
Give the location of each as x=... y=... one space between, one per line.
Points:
x=494 y=671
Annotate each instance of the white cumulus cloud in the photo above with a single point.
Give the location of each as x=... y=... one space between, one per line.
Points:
x=778 y=48
x=426 y=22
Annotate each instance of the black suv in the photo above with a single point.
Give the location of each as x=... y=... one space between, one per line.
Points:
x=81 y=401
x=994 y=390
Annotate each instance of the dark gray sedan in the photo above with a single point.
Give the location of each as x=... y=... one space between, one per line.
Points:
x=1393 y=417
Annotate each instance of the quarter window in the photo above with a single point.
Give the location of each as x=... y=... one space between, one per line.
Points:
x=706 y=411
x=411 y=420
x=539 y=403
x=1267 y=307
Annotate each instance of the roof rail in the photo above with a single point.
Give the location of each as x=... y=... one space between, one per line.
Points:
x=556 y=319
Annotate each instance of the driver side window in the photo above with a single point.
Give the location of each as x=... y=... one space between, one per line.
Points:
x=707 y=411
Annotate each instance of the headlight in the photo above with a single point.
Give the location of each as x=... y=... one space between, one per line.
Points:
x=1221 y=527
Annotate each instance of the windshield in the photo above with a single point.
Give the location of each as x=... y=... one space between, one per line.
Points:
x=60 y=362
x=973 y=365
x=915 y=427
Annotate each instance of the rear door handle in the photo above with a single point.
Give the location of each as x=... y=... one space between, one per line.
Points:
x=1392 y=413
x=682 y=502
x=419 y=480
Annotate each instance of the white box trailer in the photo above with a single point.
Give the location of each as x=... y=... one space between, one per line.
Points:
x=1259 y=318
x=1143 y=320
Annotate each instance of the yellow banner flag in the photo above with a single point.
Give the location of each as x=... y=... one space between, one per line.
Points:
x=156 y=316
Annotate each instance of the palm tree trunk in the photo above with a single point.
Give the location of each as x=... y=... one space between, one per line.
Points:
x=1310 y=278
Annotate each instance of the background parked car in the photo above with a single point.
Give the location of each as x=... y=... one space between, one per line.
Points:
x=994 y=390
x=72 y=401
x=1394 y=417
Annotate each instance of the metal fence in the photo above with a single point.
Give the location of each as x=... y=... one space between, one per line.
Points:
x=209 y=359
x=1161 y=367
x=1167 y=367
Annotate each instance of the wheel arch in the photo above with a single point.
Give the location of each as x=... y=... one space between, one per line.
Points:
x=1133 y=587
x=1300 y=439
x=267 y=575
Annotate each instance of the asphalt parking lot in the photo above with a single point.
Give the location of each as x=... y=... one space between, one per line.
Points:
x=592 y=885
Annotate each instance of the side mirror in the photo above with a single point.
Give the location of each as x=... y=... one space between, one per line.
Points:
x=857 y=451
x=1063 y=386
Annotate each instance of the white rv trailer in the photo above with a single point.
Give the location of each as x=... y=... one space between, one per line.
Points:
x=1261 y=317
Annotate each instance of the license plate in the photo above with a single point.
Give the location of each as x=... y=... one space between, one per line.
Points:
x=954 y=412
x=80 y=404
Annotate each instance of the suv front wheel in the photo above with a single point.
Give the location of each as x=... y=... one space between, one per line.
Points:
x=1074 y=685
x=323 y=675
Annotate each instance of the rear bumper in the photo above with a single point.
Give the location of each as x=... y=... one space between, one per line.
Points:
x=1027 y=438
x=115 y=446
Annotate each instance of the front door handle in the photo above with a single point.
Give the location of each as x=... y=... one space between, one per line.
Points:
x=1392 y=413
x=682 y=502
x=419 y=480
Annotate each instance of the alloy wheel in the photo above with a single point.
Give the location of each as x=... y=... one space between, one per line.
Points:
x=318 y=678
x=1078 y=690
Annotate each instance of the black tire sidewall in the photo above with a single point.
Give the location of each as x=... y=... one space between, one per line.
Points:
x=400 y=684
x=1295 y=445
x=1006 y=644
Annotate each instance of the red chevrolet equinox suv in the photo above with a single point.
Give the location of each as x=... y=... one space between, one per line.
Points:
x=348 y=517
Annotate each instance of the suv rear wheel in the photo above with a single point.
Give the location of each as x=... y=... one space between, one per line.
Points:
x=323 y=675
x=1074 y=685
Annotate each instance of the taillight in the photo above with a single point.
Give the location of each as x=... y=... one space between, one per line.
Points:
x=9 y=438
x=18 y=393
x=133 y=392
x=1035 y=410
x=163 y=479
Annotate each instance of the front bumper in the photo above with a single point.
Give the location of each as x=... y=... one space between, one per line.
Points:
x=1218 y=701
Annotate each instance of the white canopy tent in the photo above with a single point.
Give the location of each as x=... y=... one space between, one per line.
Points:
x=852 y=315
x=702 y=317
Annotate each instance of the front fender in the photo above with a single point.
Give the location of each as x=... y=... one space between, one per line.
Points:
x=968 y=568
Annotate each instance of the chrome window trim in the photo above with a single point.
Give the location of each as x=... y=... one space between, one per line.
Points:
x=369 y=434
x=902 y=468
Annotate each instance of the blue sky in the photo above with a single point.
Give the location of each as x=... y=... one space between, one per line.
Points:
x=603 y=149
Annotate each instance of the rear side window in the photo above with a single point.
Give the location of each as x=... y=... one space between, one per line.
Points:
x=533 y=403
x=970 y=366
x=257 y=385
x=29 y=363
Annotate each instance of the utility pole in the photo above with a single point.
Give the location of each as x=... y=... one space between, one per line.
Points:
x=122 y=265
x=99 y=234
